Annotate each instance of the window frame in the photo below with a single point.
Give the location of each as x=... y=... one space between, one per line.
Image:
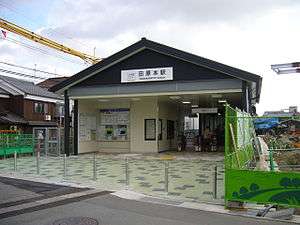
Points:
x=145 y=129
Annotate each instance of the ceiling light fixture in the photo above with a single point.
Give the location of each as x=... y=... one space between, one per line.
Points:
x=194 y=106
x=186 y=102
x=216 y=96
x=222 y=101
x=135 y=99
x=175 y=97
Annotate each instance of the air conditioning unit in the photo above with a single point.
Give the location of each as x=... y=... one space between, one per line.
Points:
x=48 y=117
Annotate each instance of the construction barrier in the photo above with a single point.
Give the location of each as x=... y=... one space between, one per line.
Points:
x=244 y=182
x=13 y=142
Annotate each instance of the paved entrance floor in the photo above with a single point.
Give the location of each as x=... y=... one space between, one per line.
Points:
x=189 y=176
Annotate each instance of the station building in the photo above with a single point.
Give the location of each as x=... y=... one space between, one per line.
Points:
x=149 y=97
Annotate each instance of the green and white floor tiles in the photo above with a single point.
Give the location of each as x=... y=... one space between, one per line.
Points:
x=187 y=179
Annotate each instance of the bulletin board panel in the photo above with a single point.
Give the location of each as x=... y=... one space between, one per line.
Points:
x=87 y=126
x=150 y=129
x=114 y=124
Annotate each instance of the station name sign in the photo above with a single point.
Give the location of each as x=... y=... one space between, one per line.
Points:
x=148 y=74
x=205 y=110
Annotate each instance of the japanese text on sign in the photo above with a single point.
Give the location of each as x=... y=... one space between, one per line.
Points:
x=149 y=74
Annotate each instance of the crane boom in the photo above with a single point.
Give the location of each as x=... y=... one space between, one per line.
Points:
x=45 y=41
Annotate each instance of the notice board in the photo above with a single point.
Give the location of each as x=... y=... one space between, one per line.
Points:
x=87 y=126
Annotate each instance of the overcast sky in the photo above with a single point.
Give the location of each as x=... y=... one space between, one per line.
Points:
x=249 y=34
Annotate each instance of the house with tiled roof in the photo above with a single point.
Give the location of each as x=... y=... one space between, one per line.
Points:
x=24 y=105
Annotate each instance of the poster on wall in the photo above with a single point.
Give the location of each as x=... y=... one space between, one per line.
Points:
x=114 y=116
x=87 y=127
x=150 y=129
x=114 y=124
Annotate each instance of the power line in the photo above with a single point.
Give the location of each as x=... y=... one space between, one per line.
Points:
x=32 y=69
x=40 y=50
x=11 y=8
x=31 y=47
x=22 y=74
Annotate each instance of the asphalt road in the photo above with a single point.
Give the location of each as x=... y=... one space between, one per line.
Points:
x=16 y=191
x=111 y=210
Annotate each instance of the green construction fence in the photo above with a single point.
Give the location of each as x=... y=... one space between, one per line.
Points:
x=20 y=143
x=245 y=183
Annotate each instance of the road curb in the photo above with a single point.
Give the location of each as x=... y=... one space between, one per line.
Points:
x=207 y=207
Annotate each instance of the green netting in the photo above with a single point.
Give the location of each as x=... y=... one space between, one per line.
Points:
x=20 y=143
x=239 y=137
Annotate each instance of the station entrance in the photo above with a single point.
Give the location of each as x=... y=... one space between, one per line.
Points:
x=203 y=132
x=199 y=121
x=152 y=124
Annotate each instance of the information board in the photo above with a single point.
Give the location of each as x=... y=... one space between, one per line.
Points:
x=204 y=110
x=87 y=126
x=150 y=129
x=114 y=116
x=114 y=124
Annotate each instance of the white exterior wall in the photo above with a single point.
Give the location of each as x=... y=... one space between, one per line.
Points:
x=139 y=111
x=166 y=112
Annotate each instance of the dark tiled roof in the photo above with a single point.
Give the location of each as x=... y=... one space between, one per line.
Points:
x=147 y=44
x=11 y=118
x=50 y=82
x=29 y=87
x=2 y=91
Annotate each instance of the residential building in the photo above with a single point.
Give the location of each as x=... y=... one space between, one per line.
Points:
x=291 y=111
x=24 y=105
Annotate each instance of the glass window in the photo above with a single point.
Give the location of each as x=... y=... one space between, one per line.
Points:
x=45 y=108
x=61 y=110
x=39 y=107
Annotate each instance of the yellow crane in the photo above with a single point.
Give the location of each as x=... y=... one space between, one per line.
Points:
x=45 y=41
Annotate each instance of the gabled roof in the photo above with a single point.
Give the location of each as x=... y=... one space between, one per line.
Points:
x=147 y=44
x=26 y=87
